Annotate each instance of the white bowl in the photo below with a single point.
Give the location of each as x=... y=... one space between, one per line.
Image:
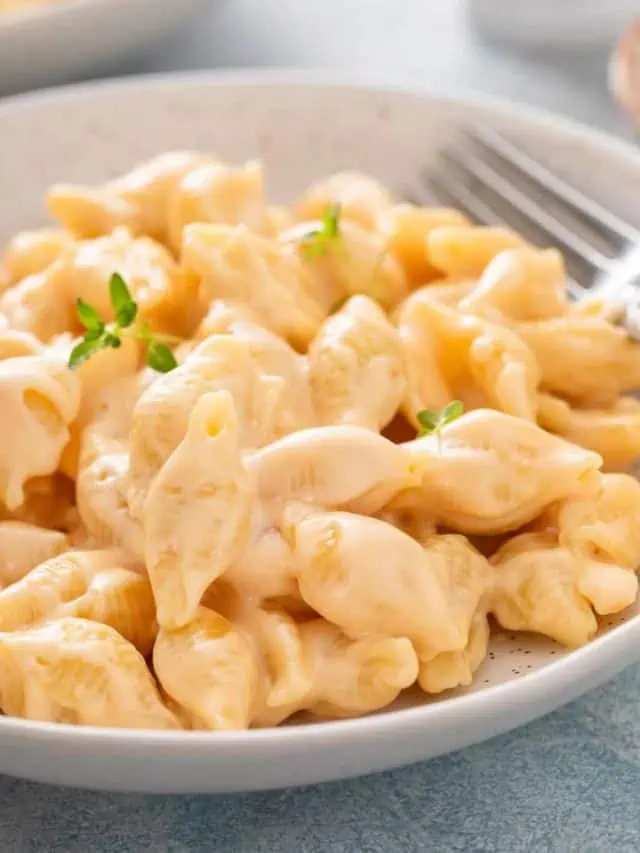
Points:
x=46 y=44
x=302 y=131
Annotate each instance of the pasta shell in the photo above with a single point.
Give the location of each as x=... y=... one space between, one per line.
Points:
x=537 y=590
x=585 y=359
x=520 y=285
x=101 y=491
x=166 y=299
x=613 y=431
x=122 y=599
x=14 y=344
x=449 y=670
x=24 y=546
x=209 y=669
x=406 y=228
x=285 y=679
x=451 y=355
x=603 y=526
x=48 y=502
x=31 y=252
x=40 y=304
x=362 y=199
x=466 y=250
x=139 y=200
x=38 y=398
x=465 y=576
x=367 y=577
x=488 y=473
x=197 y=516
x=76 y=671
x=356 y=262
x=235 y=263
x=356 y=367
x=49 y=586
x=353 y=677
x=335 y=467
x=161 y=415
x=266 y=568
x=273 y=356
x=215 y=193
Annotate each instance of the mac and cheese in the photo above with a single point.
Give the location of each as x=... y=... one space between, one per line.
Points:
x=235 y=483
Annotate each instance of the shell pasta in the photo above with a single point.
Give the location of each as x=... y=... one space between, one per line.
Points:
x=261 y=461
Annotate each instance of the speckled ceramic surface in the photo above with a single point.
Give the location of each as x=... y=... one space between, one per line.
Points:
x=48 y=44
x=301 y=131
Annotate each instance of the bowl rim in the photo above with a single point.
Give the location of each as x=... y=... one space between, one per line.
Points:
x=560 y=676
x=295 y=78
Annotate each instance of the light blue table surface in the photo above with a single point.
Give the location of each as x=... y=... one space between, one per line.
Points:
x=569 y=783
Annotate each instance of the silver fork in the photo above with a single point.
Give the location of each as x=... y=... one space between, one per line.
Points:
x=489 y=178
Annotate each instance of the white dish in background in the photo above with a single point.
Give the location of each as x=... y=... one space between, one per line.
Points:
x=554 y=24
x=302 y=130
x=45 y=44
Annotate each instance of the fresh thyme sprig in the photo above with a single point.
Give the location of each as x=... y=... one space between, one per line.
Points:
x=433 y=420
x=100 y=335
x=316 y=242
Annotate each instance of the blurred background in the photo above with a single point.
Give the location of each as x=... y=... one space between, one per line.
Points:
x=553 y=53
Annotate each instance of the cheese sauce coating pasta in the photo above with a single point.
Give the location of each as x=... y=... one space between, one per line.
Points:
x=261 y=460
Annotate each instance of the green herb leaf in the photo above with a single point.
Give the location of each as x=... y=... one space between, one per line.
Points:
x=94 y=334
x=331 y=221
x=123 y=303
x=99 y=336
x=160 y=357
x=112 y=340
x=432 y=420
x=126 y=315
x=83 y=351
x=428 y=420
x=317 y=241
x=89 y=318
x=451 y=412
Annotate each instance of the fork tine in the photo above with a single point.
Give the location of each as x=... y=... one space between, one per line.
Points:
x=497 y=144
x=458 y=192
x=486 y=175
x=449 y=190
